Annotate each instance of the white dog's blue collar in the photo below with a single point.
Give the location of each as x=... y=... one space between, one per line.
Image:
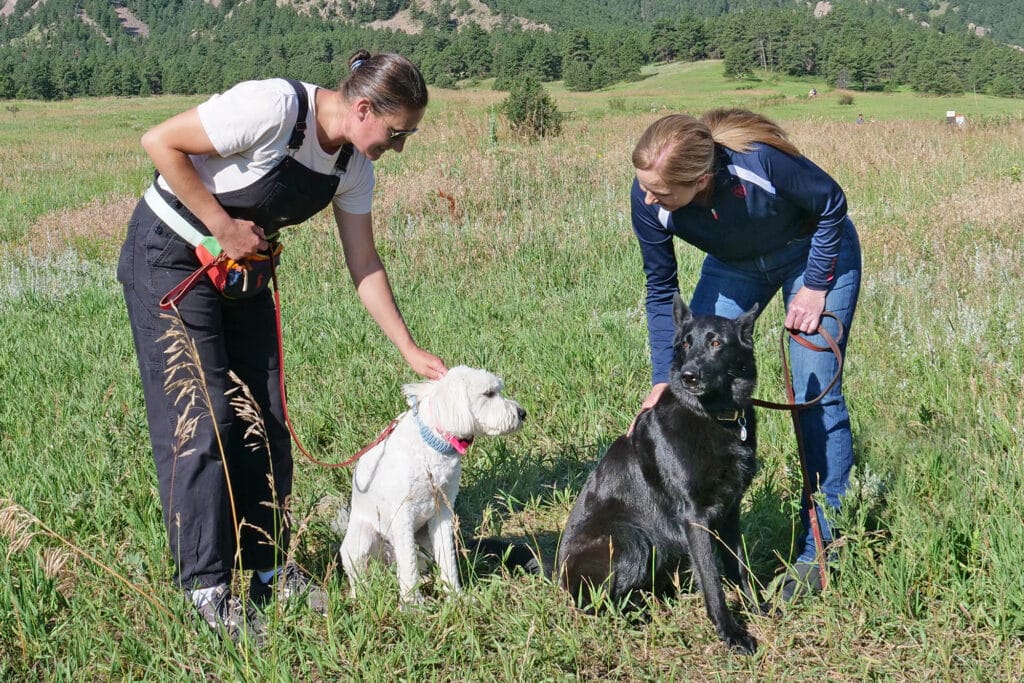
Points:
x=442 y=444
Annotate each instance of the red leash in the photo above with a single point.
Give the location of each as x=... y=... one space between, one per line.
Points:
x=794 y=409
x=172 y=297
x=284 y=401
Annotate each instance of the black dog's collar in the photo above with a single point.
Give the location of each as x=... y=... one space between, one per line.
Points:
x=738 y=417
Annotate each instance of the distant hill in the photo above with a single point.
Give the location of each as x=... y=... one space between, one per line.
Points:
x=62 y=48
x=1002 y=20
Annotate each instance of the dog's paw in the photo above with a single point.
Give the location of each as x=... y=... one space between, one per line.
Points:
x=412 y=602
x=740 y=642
x=766 y=608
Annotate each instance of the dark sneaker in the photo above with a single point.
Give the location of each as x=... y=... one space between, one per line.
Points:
x=222 y=610
x=803 y=578
x=291 y=583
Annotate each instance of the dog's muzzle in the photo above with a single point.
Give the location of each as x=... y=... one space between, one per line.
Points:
x=691 y=382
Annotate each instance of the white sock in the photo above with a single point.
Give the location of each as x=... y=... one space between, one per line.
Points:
x=201 y=596
x=267 y=575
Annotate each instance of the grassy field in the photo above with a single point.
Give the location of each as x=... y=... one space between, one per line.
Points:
x=533 y=274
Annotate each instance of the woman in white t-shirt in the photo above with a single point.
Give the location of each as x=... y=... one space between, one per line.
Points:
x=239 y=167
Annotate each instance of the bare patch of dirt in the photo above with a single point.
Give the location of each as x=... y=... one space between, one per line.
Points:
x=478 y=13
x=131 y=24
x=402 y=21
x=482 y=15
x=88 y=21
x=97 y=228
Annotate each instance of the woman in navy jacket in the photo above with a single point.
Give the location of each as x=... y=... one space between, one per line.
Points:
x=769 y=219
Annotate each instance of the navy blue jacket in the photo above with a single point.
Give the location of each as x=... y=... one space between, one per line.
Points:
x=761 y=200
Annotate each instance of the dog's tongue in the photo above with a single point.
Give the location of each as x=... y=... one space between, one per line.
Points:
x=460 y=445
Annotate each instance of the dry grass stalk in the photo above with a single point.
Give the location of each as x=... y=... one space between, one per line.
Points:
x=248 y=410
x=16 y=527
x=184 y=379
x=186 y=382
x=21 y=526
x=55 y=567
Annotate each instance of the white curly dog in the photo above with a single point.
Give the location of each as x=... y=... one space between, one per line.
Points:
x=403 y=489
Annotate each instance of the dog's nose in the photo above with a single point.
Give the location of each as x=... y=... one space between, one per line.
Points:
x=522 y=414
x=689 y=378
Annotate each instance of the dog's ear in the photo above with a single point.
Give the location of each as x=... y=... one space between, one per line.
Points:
x=745 y=325
x=680 y=311
x=415 y=391
x=451 y=403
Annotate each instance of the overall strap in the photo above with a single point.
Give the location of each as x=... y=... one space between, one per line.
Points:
x=299 y=131
x=341 y=165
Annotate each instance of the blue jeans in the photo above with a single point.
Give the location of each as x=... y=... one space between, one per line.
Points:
x=729 y=289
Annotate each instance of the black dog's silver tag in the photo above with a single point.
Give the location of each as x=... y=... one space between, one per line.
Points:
x=742 y=422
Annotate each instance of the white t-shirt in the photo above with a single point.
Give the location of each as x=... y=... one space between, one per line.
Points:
x=250 y=125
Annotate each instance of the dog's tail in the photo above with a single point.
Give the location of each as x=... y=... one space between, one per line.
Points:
x=512 y=555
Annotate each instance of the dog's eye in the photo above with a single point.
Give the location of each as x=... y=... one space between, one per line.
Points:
x=490 y=394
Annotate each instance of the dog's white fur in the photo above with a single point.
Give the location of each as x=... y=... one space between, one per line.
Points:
x=403 y=489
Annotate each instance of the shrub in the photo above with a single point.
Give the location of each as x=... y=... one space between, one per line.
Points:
x=845 y=98
x=530 y=111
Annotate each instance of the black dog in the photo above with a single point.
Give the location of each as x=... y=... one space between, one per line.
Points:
x=660 y=494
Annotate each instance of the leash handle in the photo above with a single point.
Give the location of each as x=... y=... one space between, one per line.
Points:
x=173 y=297
x=832 y=344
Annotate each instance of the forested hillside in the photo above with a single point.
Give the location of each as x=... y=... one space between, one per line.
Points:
x=1003 y=20
x=52 y=49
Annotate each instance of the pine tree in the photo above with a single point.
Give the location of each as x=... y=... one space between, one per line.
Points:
x=530 y=110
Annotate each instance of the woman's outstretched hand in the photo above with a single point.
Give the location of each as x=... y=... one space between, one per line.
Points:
x=652 y=398
x=426 y=364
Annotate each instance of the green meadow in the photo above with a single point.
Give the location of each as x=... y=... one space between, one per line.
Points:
x=531 y=270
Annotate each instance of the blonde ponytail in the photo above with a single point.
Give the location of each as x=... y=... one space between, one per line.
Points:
x=682 y=147
x=739 y=129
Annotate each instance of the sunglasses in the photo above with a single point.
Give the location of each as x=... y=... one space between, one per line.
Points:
x=394 y=134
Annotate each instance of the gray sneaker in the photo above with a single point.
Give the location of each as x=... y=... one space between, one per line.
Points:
x=804 y=578
x=291 y=583
x=222 y=610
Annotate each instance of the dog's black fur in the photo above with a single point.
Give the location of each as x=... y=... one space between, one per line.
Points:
x=661 y=495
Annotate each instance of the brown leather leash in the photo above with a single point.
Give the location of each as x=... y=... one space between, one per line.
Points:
x=794 y=408
x=284 y=400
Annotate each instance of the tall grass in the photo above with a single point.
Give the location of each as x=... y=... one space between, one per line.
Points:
x=531 y=271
